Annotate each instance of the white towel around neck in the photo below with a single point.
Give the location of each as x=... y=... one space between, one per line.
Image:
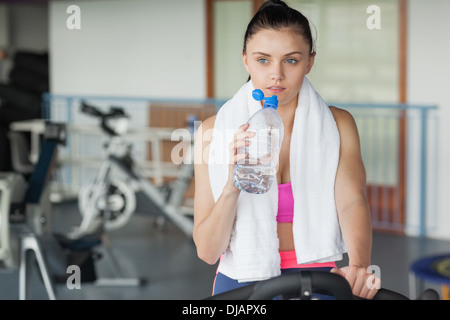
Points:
x=314 y=154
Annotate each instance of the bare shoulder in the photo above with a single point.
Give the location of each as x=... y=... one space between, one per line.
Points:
x=202 y=141
x=205 y=129
x=344 y=120
x=348 y=130
x=209 y=123
x=341 y=115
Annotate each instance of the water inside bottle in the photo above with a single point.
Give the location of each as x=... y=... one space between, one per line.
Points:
x=253 y=179
x=256 y=172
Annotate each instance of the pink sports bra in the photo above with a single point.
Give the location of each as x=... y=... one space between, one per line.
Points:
x=285 y=203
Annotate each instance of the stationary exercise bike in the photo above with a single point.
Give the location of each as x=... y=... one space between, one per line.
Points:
x=26 y=232
x=307 y=285
x=109 y=201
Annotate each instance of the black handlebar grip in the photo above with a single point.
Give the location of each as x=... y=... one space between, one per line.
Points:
x=385 y=294
x=295 y=284
x=291 y=284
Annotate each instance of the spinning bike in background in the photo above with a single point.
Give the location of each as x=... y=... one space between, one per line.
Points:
x=109 y=201
x=26 y=233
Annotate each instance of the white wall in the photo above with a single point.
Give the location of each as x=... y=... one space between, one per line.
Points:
x=428 y=83
x=144 y=48
x=230 y=22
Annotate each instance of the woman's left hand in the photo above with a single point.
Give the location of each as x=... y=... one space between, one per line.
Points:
x=363 y=284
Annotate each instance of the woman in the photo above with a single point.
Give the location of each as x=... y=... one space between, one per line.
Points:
x=320 y=192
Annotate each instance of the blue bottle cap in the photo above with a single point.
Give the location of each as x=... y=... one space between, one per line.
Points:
x=272 y=102
x=258 y=95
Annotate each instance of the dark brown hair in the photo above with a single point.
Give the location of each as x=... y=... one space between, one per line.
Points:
x=278 y=15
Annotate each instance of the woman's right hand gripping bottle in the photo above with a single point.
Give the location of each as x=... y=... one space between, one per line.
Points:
x=257 y=171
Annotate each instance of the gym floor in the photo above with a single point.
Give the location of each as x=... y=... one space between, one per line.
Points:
x=166 y=258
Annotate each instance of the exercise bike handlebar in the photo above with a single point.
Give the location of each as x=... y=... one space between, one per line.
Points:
x=114 y=112
x=91 y=110
x=302 y=284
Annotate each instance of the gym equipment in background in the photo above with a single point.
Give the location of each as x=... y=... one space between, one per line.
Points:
x=111 y=201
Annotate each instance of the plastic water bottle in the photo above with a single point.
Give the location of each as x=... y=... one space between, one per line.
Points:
x=257 y=171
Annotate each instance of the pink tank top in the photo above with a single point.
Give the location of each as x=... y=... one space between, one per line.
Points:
x=286 y=214
x=285 y=203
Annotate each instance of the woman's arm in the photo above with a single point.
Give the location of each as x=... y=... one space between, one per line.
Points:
x=350 y=192
x=352 y=205
x=213 y=221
